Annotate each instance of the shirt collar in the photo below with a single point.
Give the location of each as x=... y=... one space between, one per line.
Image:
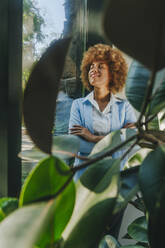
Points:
x=113 y=99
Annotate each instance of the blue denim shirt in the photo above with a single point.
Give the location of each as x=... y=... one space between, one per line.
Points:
x=63 y=106
x=121 y=113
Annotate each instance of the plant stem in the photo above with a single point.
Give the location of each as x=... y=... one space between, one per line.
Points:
x=105 y=154
x=149 y=119
x=129 y=149
x=147 y=98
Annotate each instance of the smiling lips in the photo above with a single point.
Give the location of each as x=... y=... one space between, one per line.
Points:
x=93 y=75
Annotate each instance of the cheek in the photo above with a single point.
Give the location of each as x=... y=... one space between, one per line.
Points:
x=110 y=77
x=90 y=79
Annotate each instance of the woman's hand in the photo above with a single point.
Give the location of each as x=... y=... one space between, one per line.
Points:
x=85 y=133
x=82 y=131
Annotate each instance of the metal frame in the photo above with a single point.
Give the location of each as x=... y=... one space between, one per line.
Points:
x=10 y=96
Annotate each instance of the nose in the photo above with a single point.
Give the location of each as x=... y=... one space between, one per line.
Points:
x=95 y=68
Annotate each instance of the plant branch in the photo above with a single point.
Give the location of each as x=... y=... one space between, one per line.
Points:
x=149 y=119
x=71 y=154
x=130 y=148
x=105 y=154
x=147 y=145
x=147 y=97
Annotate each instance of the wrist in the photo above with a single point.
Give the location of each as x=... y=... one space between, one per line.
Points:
x=96 y=138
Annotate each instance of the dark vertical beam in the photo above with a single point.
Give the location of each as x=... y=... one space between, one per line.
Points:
x=10 y=96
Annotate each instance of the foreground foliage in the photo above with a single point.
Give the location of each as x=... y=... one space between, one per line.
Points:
x=54 y=211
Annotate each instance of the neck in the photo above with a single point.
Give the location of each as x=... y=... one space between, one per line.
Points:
x=102 y=94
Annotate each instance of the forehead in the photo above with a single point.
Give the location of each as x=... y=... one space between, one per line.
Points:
x=99 y=62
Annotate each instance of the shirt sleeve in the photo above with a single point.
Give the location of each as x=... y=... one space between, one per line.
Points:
x=75 y=119
x=130 y=116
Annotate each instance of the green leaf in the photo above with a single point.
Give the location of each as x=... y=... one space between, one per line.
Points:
x=64 y=147
x=132 y=246
x=43 y=182
x=128 y=187
x=129 y=26
x=109 y=242
x=136 y=84
x=41 y=92
x=136 y=158
x=139 y=204
x=112 y=140
x=8 y=205
x=151 y=176
x=62 y=212
x=154 y=124
x=33 y=154
x=108 y=142
x=24 y=226
x=96 y=195
x=158 y=102
x=162 y=117
x=138 y=229
x=2 y=215
x=126 y=236
x=156 y=220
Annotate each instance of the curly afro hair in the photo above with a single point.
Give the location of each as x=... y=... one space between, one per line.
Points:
x=113 y=57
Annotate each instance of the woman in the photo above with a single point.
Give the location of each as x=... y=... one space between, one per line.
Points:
x=103 y=72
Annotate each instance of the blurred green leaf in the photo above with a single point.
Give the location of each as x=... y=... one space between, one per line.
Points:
x=162 y=118
x=8 y=205
x=64 y=147
x=62 y=212
x=154 y=124
x=145 y=245
x=151 y=176
x=137 y=28
x=33 y=154
x=44 y=181
x=132 y=246
x=96 y=196
x=138 y=229
x=109 y=242
x=137 y=81
x=24 y=226
x=128 y=187
x=112 y=140
x=139 y=204
x=136 y=158
x=2 y=215
x=41 y=92
x=126 y=236
x=158 y=102
x=136 y=84
x=156 y=220
x=108 y=142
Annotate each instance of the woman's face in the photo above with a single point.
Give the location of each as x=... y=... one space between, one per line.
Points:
x=99 y=75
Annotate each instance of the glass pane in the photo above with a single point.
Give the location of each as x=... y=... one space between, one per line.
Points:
x=43 y=22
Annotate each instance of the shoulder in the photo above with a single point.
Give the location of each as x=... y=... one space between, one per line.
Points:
x=77 y=103
x=120 y=101
x=123 y=104
x=81 y=99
